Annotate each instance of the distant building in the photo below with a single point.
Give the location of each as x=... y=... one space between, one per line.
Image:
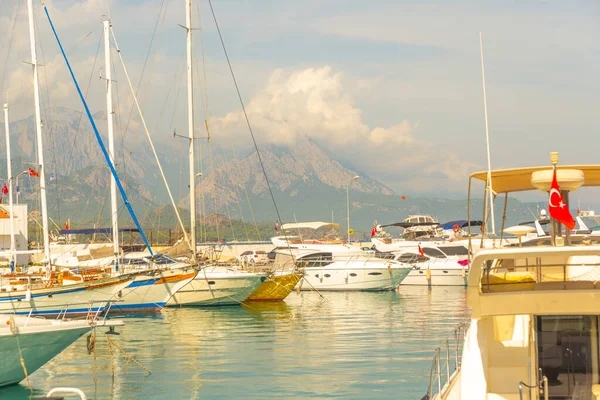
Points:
x=20 y=229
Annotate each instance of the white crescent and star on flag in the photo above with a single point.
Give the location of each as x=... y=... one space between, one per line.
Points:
x=561 y=203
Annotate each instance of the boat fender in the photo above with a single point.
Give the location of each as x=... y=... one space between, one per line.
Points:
x=428 y=274
x=59 y=278
x=389 y=268
x=28 y=295
x=463 y=272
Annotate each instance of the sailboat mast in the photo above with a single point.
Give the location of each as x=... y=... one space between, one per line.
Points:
x=38 y=132
x=487 y=140
x=111 y=139
x=10 y=193
x=188 y=22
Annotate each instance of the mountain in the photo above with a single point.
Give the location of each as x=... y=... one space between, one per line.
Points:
x=306 y=182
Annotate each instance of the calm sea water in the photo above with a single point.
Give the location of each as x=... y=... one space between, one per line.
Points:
x=347 y=345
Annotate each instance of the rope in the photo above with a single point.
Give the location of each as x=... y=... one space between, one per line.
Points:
x=104 y=151
x=15 y=331
x=151 y=144
x=247 y=119
x=130 y=358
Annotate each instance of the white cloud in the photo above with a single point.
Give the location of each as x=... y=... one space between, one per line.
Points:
x=315 y=103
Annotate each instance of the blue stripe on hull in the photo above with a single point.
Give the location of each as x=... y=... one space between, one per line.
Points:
x=138 y=307
x=61 y=311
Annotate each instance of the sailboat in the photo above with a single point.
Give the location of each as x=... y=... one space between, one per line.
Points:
x=214 y=285
x=44 y=293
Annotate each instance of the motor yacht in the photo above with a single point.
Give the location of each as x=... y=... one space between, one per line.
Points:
x=534 y=326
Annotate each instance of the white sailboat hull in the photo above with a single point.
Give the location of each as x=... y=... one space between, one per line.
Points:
x=152 y=292
x=217 y=286
x=344 y=276
x=69 y=300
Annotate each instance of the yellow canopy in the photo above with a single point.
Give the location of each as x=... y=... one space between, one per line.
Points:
x=519 y=179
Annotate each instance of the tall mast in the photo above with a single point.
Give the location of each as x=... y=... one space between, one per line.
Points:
x=111 y=141
x=487 y=140
x=38 y=132
x=188 y=22
x=10 y=193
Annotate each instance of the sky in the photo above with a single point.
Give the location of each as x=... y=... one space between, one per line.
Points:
x=390 y=88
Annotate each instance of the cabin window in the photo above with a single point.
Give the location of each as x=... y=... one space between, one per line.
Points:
x=431 y=252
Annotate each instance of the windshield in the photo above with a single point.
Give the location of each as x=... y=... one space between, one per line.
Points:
x=162 y=259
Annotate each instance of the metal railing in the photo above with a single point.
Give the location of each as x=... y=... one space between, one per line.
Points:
x=538 y=273
x=439 y=382
x=542 y=387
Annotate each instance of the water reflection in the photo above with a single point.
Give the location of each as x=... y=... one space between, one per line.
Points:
x=347 y=345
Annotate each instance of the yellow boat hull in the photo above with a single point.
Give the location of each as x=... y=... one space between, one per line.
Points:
x=275 y=288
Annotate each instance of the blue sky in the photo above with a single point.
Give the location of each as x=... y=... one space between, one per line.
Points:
x=392 y=87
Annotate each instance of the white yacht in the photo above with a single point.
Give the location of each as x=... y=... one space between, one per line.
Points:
x=535 y=317
x=443 y=265
x=36 y=341
x=326 y=271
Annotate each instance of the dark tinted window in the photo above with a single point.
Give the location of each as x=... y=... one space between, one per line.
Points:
x=431 y=252
x=455 y=250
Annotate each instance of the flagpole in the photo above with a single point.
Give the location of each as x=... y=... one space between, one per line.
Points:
x=10 y=193
x=487 y=140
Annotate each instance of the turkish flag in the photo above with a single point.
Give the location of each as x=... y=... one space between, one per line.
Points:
x=4 y=189
x=373 y=232
x=421 y=251
x=33 y=172
x=557 y=207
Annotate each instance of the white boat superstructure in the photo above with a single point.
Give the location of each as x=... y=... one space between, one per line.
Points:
x=535 y=317
x=36 y=341
x=444 y=265
x=326 y=271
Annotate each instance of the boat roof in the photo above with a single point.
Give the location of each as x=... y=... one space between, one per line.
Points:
x=309 y=225
x=519 y=179
x=461 y=223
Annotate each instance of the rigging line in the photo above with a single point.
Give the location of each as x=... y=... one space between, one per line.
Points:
x=145 y=61
x=202 y=202
x=98 y=137
x=149 y=138
x=247 y=120
x=245 y=191
x=70 y=164
x=10 y=42
x=236 y=191
x=205 y=85
x=214 y=171
x=230 y=221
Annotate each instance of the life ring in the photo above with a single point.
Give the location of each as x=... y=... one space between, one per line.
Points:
x=455 y=228
x=481 y=227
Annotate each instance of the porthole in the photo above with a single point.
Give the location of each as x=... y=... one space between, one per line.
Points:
x=211 y=282
x=445 y=272
x=317 y=275
x=353 y=274
x=327 y=276
x=374 y=273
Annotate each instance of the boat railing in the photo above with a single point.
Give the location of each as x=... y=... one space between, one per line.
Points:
x=507 y=275
x=446 y=358
x=96 y=310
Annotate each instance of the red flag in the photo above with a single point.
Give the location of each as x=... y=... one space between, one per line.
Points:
x=374 y=231
x=275 y=227
x=67 y=227
x=557 y=207
x=33 y=172
x=421 y=251
x=4 y=189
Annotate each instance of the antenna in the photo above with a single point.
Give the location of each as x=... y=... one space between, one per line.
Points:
x=487 y=140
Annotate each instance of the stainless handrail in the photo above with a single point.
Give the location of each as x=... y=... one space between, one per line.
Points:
x=436 y=368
